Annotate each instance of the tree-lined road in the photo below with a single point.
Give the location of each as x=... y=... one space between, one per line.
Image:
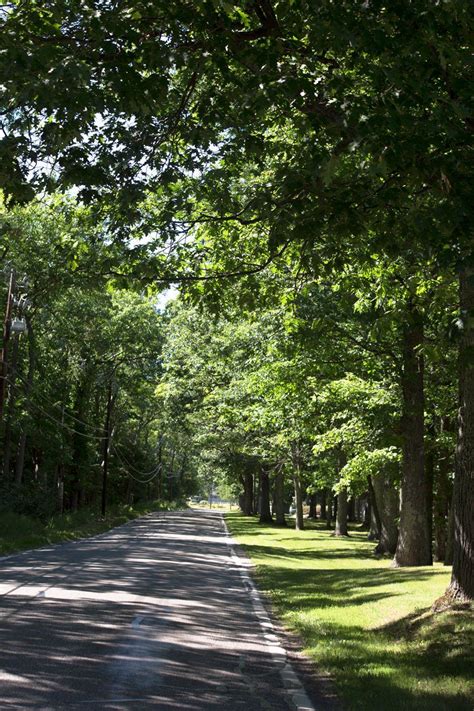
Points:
x=154 y=614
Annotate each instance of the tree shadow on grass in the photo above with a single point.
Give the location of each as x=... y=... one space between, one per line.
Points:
x=311 y=588
x=384 y=669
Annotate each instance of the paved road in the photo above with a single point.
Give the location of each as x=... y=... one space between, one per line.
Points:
x=154 y=614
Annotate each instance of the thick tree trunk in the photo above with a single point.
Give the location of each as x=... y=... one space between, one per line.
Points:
x=462 y=580
x=341 y=514
x=388 y=501
x=265 y=512
x=247 y=497
x=414 y=544
x=279 y=498
x=312 y=506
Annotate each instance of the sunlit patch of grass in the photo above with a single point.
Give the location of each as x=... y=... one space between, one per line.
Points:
x=367 y=624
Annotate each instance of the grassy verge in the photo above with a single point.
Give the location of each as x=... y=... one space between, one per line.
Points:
x=19 y=532
x=367 y=624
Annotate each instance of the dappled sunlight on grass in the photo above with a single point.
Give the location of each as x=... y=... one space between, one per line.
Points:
x=366 y=623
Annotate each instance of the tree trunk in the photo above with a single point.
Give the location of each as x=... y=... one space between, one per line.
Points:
x=324 y=495
x=388 y=501
x=246 y=502
x=279 y=498
x=341 y=515
x=375 y=521
x=414 y=544
x=366 y=516
x=312 y=506
x=461 y=586
x=256 y=494
x=265 y=512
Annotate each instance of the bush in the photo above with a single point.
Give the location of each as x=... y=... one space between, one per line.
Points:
x=31 y=500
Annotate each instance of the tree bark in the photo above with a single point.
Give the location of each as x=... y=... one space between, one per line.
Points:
x=312 y=506
x=279 y=498
x=414 y=544
x=247 y=496
x=341 y=515
x=461 y=586
x=265 y=512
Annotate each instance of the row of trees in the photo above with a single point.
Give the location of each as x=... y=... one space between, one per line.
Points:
x=79 y=402
x=320 y=384
x=334 y=139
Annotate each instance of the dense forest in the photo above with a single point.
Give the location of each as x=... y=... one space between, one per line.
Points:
x=303 y=176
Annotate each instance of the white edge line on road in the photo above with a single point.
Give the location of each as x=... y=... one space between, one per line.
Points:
x=291 y=682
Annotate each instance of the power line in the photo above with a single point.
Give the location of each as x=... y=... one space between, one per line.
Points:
x=55 y=405
x=127 y=464
x=62 y=424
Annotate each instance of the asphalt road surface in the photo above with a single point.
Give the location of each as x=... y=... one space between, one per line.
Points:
x=154 y=614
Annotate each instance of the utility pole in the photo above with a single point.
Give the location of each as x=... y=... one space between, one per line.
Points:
x=105 y=466
x=6 y=338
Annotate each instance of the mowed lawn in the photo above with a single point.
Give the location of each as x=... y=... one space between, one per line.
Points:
x=367 y=624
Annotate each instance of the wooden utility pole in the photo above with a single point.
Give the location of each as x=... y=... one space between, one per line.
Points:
x=105 y=465
x=6 y=338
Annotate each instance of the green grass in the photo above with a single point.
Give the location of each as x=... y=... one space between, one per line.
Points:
x=19 y=532
x=367 y=624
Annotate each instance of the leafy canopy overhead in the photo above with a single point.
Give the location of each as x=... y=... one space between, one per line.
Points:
x=291 y=116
